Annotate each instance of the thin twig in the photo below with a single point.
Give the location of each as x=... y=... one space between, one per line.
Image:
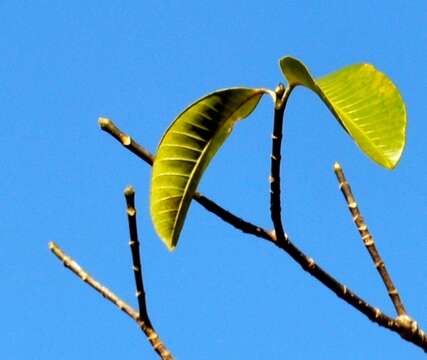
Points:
x=232 y=219
x=404 y=326
x=282 y=96
x=129 y=143
x=136 y=258
x=108 y=126
x=368 y=240
x=149 y=332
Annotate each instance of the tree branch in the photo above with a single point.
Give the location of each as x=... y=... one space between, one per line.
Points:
x=275 y=196
x=108 y=126
x=368 y=240
x=148 y=330
x=136 y=258
x=232 y=219
x=126 y=141
x=403 y=325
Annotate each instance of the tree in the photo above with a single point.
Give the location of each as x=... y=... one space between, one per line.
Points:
x=366 y=104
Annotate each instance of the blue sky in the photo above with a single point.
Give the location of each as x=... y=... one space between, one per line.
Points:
x=221 y=294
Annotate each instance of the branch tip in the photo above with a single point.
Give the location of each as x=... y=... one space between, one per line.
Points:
x=129 y=191
x=337 y=166
x=104 y=122
x=125 y=140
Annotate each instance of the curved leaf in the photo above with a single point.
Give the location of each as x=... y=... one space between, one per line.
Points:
x=185 y=151
x=365 y=102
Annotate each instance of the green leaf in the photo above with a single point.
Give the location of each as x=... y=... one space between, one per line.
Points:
x=185 y=151
x=365 y=102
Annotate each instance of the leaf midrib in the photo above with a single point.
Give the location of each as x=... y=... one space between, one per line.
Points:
x=202 y=155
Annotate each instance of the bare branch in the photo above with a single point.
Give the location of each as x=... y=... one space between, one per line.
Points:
x=129 y=143
x=149 y=332
x=108 y=126
x=403 y=325
x=136 y=258
x=282 y=96
x=368 y=240
x=232 y=219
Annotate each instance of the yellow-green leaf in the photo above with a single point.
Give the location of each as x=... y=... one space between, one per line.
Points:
x=366 y=103
x=185 y=151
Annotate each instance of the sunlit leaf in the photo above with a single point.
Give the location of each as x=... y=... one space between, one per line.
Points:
x=365 y=102
x=186 y=150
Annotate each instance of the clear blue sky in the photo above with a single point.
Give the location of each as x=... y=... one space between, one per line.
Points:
x=221 y=294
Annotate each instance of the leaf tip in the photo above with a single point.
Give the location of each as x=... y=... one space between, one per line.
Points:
x=170 y=243
x=391 y=164
x=171 y=248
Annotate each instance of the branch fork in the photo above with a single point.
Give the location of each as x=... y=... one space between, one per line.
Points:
x=402 y=324
x=140 y=317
